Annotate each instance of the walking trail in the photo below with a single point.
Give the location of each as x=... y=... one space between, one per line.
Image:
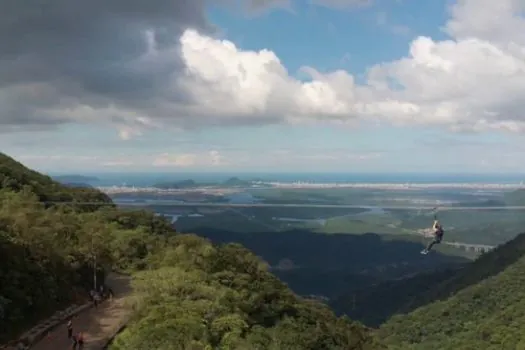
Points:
x=97 y=324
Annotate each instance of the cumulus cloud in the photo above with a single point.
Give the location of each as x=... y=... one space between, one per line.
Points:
x=71 y=60
x=141 y=66
x=176 y=160
x=475 y=81
x=212 y=158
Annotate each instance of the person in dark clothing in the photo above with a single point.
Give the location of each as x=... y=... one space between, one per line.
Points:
x=69 y=328
x=98 y=299
x=80 y=340
x=438 y=236
x=74 y=342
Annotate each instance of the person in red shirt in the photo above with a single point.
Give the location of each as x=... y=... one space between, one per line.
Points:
x=80 y=340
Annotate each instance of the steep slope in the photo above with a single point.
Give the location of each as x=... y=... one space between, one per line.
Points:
x=16 y=177
x=190 y=293
x=223 y=297
x=484 y=308
x=373 y=305
x=329 y=265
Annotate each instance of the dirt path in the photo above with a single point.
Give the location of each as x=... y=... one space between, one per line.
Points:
x=98 y=324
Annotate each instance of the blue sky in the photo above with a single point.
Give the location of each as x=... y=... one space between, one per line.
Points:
x=357 y=40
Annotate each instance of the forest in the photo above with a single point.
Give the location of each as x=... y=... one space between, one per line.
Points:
x=190 y=292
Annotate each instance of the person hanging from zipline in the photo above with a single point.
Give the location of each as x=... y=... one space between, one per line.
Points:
x=438 y=235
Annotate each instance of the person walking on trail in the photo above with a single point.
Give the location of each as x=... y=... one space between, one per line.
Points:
x=98 y=298
x=80 y=340
x=21 y=346
x=438 y=236
x=95 y=297
x=69 y=328
x=74 y=342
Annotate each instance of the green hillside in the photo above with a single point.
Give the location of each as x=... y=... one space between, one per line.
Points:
x=376 y=304
x=480 y=307
x=189 y=293
x=16 y=177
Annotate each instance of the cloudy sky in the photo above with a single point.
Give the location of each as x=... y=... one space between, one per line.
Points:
x=273 y=85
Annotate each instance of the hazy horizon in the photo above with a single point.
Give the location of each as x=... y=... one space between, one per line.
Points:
x=145 y=179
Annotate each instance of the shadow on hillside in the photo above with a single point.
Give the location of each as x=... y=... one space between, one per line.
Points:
x=373 y=305
x=489 y=264
x=50 y=285
x=328 y=265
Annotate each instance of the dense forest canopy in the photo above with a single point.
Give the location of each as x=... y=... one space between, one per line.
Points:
x=478 y=307
x=189 y=292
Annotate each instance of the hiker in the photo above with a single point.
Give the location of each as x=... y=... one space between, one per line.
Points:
x=21 y=346
x=80 y=340
x=74 y=342
x=97 y=299
x=94 y=297
x=69 y=328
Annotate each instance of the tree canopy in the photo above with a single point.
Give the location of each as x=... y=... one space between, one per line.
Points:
x=193 y=294
x=477 y=307
x=189 y=292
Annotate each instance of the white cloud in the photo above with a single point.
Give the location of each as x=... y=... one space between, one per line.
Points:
x=175 y=160
x=246 y=86
x=473 y=81
x=126 y=133
x=216 y=158
x=201 y=160
x=209 y=159
x=117 y=163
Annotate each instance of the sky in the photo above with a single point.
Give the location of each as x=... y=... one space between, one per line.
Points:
x=264 y=85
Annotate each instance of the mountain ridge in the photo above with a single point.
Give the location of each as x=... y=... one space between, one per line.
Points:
x=190 y=293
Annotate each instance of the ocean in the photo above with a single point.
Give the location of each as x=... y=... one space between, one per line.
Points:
x=148 y=179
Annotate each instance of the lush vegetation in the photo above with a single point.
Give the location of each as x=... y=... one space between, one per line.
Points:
x=329 y=265
x=373 y=305
x=478 y=306
x=203 y=296
x=190 y=293
x=488 y=314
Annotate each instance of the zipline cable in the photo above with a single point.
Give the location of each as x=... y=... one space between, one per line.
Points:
x=280 y=205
